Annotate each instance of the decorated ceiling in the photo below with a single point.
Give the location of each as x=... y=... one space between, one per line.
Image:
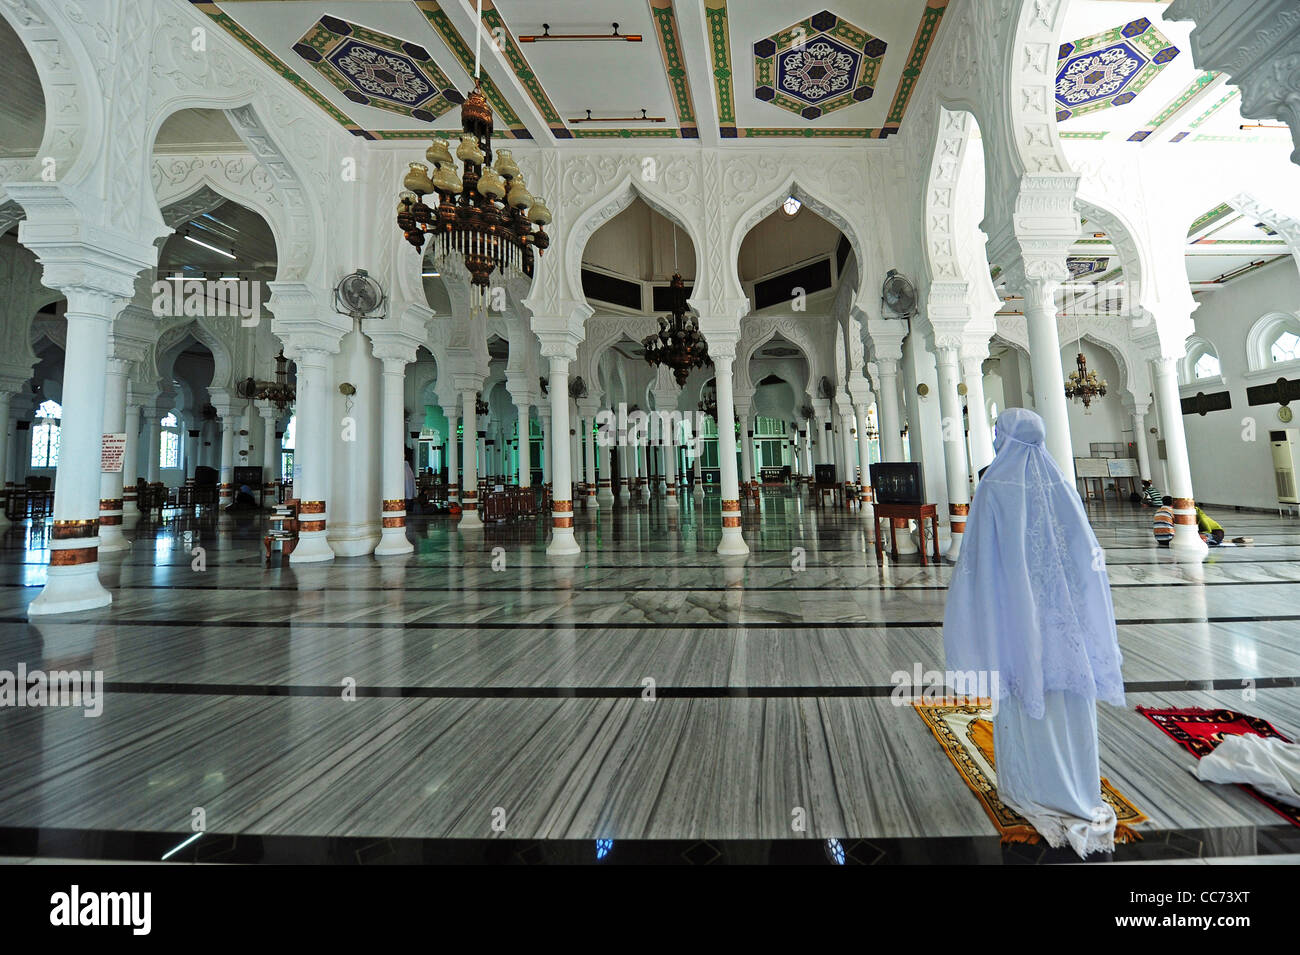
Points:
x=562 y=69
x=1124 y=74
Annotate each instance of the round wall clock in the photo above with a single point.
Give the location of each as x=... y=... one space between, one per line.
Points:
x=1285 y=414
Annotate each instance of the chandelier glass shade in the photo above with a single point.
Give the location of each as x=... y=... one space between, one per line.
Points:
x=1084 y=385
x=678 y=344
x=483 y=210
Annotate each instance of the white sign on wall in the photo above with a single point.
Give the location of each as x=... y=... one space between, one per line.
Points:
x=112 y=453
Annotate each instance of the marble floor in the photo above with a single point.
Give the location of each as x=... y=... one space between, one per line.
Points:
x=479 y=701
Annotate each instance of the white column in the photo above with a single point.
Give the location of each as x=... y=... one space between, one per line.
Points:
x=733 y=542
x=1187 y=543
x=1140 y=439
x=153 y=429
x=670 y=470
x=311 y=456
x=609 y=435
x=981 y=433
x=562 y=542
x=111 y=539
x=891 y=437
x=954 y=447
x=525 y=448
x=453 y=457
x=1046 y=370
x=593 y=498
x=6 y=424
x=72 y=579
x=469 y=515
x=227 y=478
x=747 y=450
x=548 y=442
x=392 y=536
x=697 y=469
x=848 y=445
x=624 y=469
x=860 y=409
x=809 y=427
x=270 y=446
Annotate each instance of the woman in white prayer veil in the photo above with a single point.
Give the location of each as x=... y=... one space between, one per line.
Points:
x=1030 y=602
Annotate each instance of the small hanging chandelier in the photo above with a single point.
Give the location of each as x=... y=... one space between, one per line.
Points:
x=279 y=392
x=678 y=344
x=1084 y=385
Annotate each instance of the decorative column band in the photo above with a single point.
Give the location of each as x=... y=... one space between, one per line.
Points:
x=730 y=520
x=74 y=530
x=310 y=527
x=128 y=493
x=672 y=491
x=731 y=505
x=603 y=482
x=561 y=507
x=110 y=520
x=391 y=505
x=311 y=507
x=395 y=521
x=1184 y=504
x=110 y=503
x=561 y=522
x=956 y=511
x=864 y=494
x=74 y=556
x=1184 y=511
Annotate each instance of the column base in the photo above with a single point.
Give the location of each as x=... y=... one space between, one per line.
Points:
x=392 y=540
x=903 y=534
x=1187 y=545
x=111 y=539
x=312 y=548
x=732 y=543
x=670 y=499
x=954 y=548
x=593 y=501
x=469 y=520
x=68 y=589
x=605 y=497
x=562 y=543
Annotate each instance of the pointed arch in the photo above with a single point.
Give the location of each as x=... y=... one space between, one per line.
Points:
x=607 y=207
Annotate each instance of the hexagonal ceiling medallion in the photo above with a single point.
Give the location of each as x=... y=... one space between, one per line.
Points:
x=375 y=69
x=1109 y=69
x=817 y=66
x=1081 y=266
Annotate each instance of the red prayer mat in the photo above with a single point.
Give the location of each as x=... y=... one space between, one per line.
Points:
x=1201 y=730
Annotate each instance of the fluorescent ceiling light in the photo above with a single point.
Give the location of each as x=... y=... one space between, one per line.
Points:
x=229 y=278
x=430 y=275
x=213 y=248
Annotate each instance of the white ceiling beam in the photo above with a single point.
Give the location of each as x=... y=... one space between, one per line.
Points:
x=699 y=68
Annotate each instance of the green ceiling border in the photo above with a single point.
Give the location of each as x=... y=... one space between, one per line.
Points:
x=670 y=48
x=931 y=17
x=1211 y=217
x=715 y=12
x=493 y=20
x=465 y=56
x=254 y=46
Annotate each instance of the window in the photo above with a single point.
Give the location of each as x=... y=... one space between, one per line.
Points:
x=993 y=412
x=287 y=449
x=1286 y=347
x=791 y=206
x=45 y=435
x=169 y=443
x=1207 y=366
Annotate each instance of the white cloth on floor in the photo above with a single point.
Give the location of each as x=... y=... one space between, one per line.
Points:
x=1048 y=771
x=1269 y=764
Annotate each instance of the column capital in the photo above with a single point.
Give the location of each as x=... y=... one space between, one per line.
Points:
x=886 y=336
x=304 y=319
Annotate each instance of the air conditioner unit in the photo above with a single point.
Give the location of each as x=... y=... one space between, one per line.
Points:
x=1286 y=464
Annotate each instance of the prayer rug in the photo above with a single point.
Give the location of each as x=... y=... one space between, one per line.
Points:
x=965 y=732
x=1201 y=730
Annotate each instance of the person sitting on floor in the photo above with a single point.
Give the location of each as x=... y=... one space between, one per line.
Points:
x=244 y=500
x=1150 y=496
x=1163 y=524
x=1211 y=530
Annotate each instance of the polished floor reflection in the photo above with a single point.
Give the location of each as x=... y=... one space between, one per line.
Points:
x=646 y=692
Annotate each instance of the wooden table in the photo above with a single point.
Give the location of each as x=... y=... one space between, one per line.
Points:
x=912 y=512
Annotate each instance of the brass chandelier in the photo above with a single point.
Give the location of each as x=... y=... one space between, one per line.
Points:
x=279 y=392
x=678 y=344
x=1084 y=385
x=484 y=212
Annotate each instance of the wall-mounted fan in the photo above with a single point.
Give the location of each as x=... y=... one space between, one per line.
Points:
x=358 y=295
x=545 y=385
x=577 y=388
x=807 y=412
x=825 y=389
x=898 y=294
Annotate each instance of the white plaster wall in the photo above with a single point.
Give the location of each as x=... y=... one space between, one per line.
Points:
x=1226 y=469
